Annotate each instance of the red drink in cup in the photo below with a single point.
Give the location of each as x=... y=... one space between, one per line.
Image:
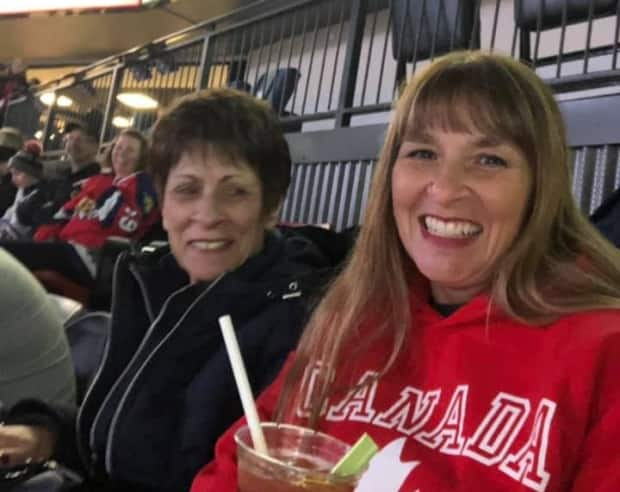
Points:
x=299 y=460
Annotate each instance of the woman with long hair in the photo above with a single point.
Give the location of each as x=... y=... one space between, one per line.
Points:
x=475 y=332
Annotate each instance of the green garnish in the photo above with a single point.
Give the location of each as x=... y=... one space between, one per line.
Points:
x=357 y=458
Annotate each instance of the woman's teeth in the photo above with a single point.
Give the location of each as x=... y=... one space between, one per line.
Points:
x=451 y=228
x=208 y=245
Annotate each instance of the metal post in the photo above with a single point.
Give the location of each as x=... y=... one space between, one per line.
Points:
x=204 y=69
x=48 y=123
x=5 y=109
x=109 y=107
x=351 y=62
x=525 y=45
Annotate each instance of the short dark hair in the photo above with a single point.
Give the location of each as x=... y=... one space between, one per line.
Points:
x=233 y=122
x=86 y=131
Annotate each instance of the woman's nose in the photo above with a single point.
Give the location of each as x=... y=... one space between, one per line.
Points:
x=447 y=183
x=208 y=210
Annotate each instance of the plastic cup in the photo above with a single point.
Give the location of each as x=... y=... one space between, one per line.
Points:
x=299 y=460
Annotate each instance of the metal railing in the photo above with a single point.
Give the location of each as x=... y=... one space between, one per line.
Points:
x=326 y=63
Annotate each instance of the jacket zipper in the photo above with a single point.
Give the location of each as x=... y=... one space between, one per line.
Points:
x=144 y=290
x=84 y=453
x=91 y=439
x=132 y=383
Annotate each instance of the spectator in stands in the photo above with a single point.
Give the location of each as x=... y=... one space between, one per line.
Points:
x=165 y=390
x=475 y=332
x=11 y=141
x=120 y=204
x=34 y=354
x=81 y=147
x=13 y=83
x=26 y=172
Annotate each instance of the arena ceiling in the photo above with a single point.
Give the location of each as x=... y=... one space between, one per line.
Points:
x=61 y=39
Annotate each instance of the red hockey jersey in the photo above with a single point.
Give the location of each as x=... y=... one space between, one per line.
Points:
x=106 y=206
x=480 y=402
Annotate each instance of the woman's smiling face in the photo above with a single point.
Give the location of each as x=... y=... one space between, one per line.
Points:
x=213 y=213
x=126 y=155
x=459 y=200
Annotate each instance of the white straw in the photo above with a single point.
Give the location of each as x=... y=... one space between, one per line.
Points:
x=241 y=377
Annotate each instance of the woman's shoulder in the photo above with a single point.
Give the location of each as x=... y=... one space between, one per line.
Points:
x=607 y=317
x=137 y=177
x=102 y=179
x=332 y=247
x=139 y=183
x=292 y=256
x=590 y=330
x=155 y=265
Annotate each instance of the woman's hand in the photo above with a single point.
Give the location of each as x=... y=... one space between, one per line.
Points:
x=23 y=444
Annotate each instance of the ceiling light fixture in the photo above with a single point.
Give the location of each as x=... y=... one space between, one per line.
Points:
x=137 y=100
x=48 y=99
x=64 y=101
x=122 y=122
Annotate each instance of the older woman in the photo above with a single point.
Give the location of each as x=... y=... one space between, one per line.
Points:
x=121 y=203
x=165 y=390
x=475 y=333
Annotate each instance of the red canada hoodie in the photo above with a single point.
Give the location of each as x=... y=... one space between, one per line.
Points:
x=479 y=402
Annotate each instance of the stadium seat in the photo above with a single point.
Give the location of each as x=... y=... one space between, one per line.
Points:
x=277 y=87
x=87 y=335
x=423 y=30
x=538 y=15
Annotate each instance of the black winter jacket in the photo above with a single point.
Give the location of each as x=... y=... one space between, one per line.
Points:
x=165 y=390
x=606 y=218
x=7 y=192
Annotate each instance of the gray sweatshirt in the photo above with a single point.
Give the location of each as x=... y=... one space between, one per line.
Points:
x=35 y=361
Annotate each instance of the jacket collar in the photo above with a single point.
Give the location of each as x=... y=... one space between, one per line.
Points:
x=160 y=275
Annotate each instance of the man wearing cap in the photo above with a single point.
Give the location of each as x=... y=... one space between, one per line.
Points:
x=81 y=148
x=11 y=141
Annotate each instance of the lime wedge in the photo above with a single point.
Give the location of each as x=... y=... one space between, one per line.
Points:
x=357 y=458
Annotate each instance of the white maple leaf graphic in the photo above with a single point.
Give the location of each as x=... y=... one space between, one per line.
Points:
x=386 y=472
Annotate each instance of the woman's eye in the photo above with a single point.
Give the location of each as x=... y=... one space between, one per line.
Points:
x=238 y=192
x=421 y=154
x=186 y=190
x=492 y=160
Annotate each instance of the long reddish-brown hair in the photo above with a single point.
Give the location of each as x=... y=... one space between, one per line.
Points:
x=558 y=263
